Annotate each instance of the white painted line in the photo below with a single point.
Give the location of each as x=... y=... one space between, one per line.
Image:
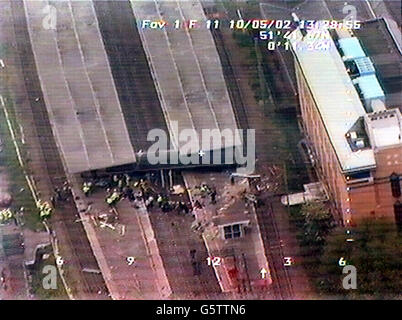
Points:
x=371 y=9
x=2 y=63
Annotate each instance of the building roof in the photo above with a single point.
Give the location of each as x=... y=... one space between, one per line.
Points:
x=369 y=86
x=364 y=66
x=98 y=112
x=336 y=97
x=351 y=48
x=380 y=42
x=385 y=127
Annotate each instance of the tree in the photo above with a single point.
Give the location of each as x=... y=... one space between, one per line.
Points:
x=318 y=222
x=376 y=252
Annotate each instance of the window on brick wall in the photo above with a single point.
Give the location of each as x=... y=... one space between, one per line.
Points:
x=232 y=231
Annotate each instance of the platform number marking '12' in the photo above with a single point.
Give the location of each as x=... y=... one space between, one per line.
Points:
x=214 y=261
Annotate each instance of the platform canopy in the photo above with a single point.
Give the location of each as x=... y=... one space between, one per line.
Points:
x=78 y=87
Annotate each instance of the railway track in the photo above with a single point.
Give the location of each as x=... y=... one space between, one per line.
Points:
x=273 y=250
x=231 y=80
x=132 y=77
x=267 y=223
x=72 y=234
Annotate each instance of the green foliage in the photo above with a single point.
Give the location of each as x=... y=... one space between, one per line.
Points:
x=376 y=252
x=18 y=186
x=317 y=222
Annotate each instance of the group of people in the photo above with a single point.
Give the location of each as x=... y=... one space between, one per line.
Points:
x=45 y=210
x=60 y=194
x=118 y=187
x=206 y=190
x=167 y=205
x=123 y=186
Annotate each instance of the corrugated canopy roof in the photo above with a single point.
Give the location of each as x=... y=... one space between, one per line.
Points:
x=78 y=87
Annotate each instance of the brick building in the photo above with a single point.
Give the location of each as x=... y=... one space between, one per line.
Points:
x=351 y=116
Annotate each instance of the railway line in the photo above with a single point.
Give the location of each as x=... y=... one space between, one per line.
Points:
x=266 y=220
x=231 y=80
x=130 y=69
x=273 y=245
x=142 y=112
x=140 y=103
x=71 y=233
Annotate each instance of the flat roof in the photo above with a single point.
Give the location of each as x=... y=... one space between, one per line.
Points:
x=351 y=48
x=382 y=44
x=370 y=86
x=336 y=97
x=385 y=127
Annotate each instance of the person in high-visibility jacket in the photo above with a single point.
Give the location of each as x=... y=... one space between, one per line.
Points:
x=87 y=188
x=159 y=200
x=45 y=210
x=5 y=215
x=113 y=198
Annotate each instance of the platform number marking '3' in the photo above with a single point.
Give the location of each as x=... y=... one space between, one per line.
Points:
x=288 y=261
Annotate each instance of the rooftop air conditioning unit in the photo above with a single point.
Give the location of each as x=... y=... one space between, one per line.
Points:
x=359 y=143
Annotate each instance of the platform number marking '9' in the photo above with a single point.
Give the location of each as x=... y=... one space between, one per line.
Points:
x=130 y=260
x=214 y=261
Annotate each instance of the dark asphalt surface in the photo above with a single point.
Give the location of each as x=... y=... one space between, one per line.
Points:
x=131 y=73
